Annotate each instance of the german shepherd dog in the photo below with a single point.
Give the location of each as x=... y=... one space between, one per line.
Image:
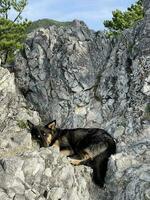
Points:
x=87 y=146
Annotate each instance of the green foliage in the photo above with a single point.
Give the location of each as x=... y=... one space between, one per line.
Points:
x=147 y=112
x=22 y=124
x=11 y=38
x=123 y=20
x=46 y=23
x=147 y=108
x=12 y=32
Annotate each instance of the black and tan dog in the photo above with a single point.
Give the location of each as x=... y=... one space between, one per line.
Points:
x=87 y=146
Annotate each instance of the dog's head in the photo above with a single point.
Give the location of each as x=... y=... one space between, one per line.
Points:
x=43 y=134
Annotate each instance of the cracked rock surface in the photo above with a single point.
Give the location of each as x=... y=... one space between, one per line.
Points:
x=14 y=137
x=45 y=175
x=27 y=172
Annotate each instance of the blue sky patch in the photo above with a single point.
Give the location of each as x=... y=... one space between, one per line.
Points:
x=92 y=12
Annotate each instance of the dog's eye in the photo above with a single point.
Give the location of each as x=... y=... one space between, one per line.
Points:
x=39 y=136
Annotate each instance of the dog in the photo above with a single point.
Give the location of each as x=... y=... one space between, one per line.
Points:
x=83 y=146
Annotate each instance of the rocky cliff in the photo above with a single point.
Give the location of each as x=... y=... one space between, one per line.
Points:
x=27 y=173
x=82 y=79
x=13 y=115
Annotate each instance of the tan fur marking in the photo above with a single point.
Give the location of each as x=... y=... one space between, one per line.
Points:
x=87 y=154
x=56 y=144
x=52 y=125
x=49 y=139
x=77 y=162
x=66 y=152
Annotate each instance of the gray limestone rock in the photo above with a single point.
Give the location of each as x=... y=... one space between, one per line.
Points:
x=14 y=136
x=43 y=175
x=58 y=71
x=83 y=79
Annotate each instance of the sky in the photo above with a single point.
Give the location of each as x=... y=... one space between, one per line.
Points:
x=92 y=12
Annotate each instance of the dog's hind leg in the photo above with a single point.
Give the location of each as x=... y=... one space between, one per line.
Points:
x=80 y=161
x=66 y=152
x=75 y=161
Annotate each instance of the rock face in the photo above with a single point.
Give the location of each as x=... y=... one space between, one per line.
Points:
x=81 y=79
x=58 y=71
x=27 y=173
x=39 y=175
x=14 y=137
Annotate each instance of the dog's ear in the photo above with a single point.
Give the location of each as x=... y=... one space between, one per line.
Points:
x=30 y=124
x=51 y=125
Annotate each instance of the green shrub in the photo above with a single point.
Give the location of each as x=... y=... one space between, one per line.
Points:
x=45 y=23
x=21 y=124
x=122 y=20
x=12 y=31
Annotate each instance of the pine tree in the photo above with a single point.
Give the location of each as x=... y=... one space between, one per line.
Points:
x=12 y=31
x=123 y=20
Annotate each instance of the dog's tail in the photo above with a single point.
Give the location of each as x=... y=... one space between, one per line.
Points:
x=99 y=168
x=100 y=162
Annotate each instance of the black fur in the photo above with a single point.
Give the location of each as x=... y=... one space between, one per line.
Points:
x=85 y=138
